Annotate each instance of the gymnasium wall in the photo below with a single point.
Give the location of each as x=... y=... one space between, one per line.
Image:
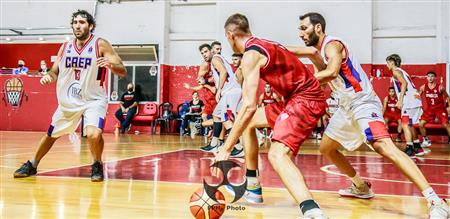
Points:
x=418 y=31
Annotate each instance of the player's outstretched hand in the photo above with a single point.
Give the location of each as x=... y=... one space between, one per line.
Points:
x=47 y=79
x=186 y=85
x=223 y=154
x=103 y=63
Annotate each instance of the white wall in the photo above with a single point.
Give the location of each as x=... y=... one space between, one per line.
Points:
x=279 y=21
x=408 y=29
x=417 y=30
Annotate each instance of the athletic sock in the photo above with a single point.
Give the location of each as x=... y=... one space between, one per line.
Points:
x=357 y=180
x=431 y=196
x=214 y=141
x=34 y=163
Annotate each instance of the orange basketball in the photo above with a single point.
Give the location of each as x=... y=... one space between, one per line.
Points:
x=203 y=207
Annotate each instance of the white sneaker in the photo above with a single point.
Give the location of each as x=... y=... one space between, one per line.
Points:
x=426 y=143
x=314 y=214
x=319 y=136
x=253 y=194
x=439 y=211
x=353 y=191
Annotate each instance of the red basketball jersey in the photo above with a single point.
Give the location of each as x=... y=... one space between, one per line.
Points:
x=391 y=105
x=434 y=97
x=284 y=71
x=268 y=99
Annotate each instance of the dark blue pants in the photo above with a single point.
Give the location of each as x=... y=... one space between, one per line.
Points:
x=124 y=123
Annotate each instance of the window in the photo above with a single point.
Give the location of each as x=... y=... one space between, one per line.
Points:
x=144 y=76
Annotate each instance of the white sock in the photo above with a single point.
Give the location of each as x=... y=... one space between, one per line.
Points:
x=431 y=196
x=34 y=163
x=416 y=141
x=252 y=181
x=214 y=141
x=357 y=180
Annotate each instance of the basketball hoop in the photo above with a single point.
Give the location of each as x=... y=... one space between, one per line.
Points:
x=14 y=92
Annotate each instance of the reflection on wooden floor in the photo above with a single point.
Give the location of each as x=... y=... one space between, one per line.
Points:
x=153 y=176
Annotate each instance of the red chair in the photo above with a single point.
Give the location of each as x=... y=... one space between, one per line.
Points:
x=148 y=113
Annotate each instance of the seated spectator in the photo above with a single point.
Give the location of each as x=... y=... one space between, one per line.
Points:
x=21 y=70
x=391 y=113
x=128 y=105
x=195 y=113
x=43 y=70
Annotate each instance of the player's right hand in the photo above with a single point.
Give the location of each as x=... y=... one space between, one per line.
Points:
x=186 y=85
x=47 y=79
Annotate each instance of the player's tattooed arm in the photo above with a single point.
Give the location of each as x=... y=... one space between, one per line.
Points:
x=334 y=52
x=110 y=59
x=399 y=76
x=309 y=52
x=52 y=74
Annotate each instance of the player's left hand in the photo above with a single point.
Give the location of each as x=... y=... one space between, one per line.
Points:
x=103 y=63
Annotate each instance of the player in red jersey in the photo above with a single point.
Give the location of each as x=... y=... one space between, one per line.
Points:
x=209 y=97
x=291 y=124
x=435 y=96
x=391 y=113
x=268 y=96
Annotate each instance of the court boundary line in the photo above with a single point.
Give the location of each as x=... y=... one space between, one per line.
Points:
x=190 y=183
x=187 y=183
x=104 y=162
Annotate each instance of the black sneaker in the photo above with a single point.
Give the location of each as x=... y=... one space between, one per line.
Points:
x=25 y=170
x=410 y=151
x=97 y=172
x=209 y=148
x=237 y=152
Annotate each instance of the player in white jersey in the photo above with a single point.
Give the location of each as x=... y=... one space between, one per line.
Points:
x=79 y=73
x=409 y=102
x=359 y=117
x=228 y=95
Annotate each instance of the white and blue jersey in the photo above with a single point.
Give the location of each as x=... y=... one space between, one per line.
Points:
x=412 y=98
x=79 y=89
x=79 y=78
x=352 y=83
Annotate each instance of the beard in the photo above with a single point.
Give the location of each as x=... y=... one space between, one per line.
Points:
x=84 y=35
x=313 y=39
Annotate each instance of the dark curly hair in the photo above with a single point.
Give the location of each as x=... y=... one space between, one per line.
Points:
x=83 y=13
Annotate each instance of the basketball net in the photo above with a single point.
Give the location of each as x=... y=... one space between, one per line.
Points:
x=13 y=98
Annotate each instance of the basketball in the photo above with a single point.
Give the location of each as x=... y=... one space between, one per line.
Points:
x=203 y=207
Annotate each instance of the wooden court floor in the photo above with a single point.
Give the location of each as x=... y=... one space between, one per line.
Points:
x=153 y=176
